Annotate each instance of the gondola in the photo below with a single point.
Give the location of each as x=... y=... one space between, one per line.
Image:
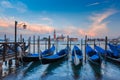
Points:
x=93 y=56
x=114 y=50
x=62 y=54
x=36 y=57
x=77 y=56
x=109 y=54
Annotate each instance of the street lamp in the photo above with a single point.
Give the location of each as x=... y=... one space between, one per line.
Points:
x=24 y=26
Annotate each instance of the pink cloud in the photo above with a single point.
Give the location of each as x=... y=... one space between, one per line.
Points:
x=98 y=26
x=5 y=22
x=40 y=28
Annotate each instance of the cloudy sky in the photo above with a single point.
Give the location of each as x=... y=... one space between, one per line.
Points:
x=77 y=18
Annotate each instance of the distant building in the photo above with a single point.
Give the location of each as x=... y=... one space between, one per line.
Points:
x=54 y=35
x=61 y=38
x=73 y=39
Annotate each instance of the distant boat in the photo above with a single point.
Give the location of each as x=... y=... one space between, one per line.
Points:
x=77 y=56
x=36 y=57
x=109 y=54
x=93 y=56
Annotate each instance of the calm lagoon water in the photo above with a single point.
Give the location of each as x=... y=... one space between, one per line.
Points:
x=65 y=70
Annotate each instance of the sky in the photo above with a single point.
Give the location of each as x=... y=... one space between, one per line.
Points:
x=76 y=18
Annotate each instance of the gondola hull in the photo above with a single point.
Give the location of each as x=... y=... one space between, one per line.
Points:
x=30 y=59
x=43 y=60
x=97 y=61
x=107 y=54
x=113 y=59
x=36 y=56
x=47 y=59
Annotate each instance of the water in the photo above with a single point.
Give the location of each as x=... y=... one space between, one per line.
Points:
x=65 y=70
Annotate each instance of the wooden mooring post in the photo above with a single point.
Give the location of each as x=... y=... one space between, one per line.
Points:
x=29 y=42
x=82 y=44
x=33 y=44
x=5 y=38
x=85 y=46
x=106 y=42
x=99 y=42
x=70 y=44
x=94 y=44
x=4 y=51
x=23 y=46
x=106 y=39
x=46 y=44
x=56 y=44
x=49 y=42
x=68 y=40
x=38 y=44
x=21 y=38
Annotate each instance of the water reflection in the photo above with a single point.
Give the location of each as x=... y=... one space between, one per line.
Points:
x=8 y=67
x=97 y=71
x=62 y=71
x=117 y=64
x=33 y=66
x=51 y=67
x=76 y=70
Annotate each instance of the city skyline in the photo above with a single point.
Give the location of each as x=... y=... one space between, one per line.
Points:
x=95 y=18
